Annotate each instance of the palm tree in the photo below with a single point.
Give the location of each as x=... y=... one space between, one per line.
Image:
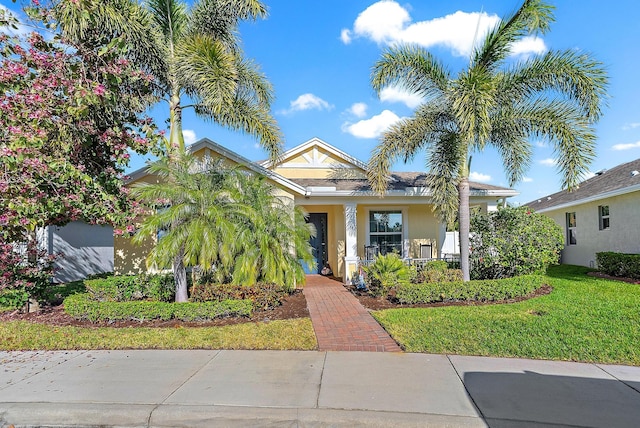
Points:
x=226 y=222
x=274 y=232
x=494 y=102
x=192 y=207
x=194 y=55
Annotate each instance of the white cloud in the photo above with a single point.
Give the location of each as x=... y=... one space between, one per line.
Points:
x=628 y=146
x=345 y=36
x=548 y=162
x=21 y=28
x=189 y=136
x=371 y=128
x=358 y=109
x=629 y=126
x=529 y=45
x=393 y=94
x=477 y=176
x=527 y=179
x=540 y=144
x=387 y=22
x=307 y=102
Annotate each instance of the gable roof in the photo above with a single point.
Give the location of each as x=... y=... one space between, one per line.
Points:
x=347 y=159
x=204 y=143
x=608 y=183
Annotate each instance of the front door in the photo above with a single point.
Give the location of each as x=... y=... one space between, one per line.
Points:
x=319 y=242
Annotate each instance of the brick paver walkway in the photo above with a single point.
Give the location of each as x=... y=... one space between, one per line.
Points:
x=341 y=323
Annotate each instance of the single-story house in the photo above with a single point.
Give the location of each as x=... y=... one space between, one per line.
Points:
x=352 y=222
x=603 y=214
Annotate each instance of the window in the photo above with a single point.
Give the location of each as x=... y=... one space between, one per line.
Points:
x=385 y=231
x=603 y=216
x=571 y=228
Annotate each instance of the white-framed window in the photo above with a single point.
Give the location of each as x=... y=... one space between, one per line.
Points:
x=571 y=228
x=386 y=230
x=603 y=217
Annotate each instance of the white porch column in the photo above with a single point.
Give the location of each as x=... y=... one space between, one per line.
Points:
x=351 y=242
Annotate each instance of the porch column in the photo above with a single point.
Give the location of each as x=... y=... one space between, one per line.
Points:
x=351 y=242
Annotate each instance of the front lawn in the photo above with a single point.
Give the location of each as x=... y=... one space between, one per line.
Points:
x=584 y=319
x=279 y=335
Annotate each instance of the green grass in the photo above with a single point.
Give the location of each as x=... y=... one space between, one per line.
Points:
x=279 y=335
x=583 y=319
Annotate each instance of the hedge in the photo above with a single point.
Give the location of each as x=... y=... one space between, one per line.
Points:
x=81 y=306
x=487 y=290
x=124 y=288
x=619 y=264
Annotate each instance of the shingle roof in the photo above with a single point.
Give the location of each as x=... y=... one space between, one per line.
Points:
x=613 y=180
x=399 y=181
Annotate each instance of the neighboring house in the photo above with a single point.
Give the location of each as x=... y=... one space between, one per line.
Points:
x=352 y=222
x=86 y=249
x=603 y=214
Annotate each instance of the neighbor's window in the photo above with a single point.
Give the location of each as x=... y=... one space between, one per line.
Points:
x=571 y=229
x=603 y=216
x=385 y=230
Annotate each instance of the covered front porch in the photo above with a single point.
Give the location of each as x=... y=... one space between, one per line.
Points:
x=350 y=233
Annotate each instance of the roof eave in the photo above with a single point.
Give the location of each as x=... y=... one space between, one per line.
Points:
x=594 y=198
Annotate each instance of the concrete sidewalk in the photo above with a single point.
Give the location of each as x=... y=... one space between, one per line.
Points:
x=291 y=389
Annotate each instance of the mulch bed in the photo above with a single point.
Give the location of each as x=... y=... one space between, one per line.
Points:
x=293 y=306
x=614 y=278
x=380 y=303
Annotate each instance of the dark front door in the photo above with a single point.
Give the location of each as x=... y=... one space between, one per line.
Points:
x=319 y=242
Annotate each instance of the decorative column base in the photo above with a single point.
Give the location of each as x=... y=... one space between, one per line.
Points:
x=351 y=269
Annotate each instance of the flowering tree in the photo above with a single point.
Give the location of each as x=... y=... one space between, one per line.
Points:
x=69 y=114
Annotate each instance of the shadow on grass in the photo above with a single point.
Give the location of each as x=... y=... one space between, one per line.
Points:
x=569 y=272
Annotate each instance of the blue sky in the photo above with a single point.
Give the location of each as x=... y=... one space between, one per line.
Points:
x=318 y=56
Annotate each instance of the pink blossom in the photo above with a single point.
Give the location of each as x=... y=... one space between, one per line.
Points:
x=99 y=90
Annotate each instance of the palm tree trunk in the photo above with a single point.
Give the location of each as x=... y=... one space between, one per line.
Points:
x=180 y=277
x=176 y=138
x=463 y=215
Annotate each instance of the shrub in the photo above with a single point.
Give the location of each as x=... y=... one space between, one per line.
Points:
x=13 y=298
x=433 y=271
x=28 y=272
x=125 y=288
x=385 y=272
x=619 y=264
x=511 y=242
x=263 y=296
x=81 y=306
x=488 y=290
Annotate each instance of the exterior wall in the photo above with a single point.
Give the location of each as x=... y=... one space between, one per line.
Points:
x=622 y=236
x=130 y=259
x=87 y=250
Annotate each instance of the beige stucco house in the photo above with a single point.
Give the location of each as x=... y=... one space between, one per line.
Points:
x=603 y=214
x=352 y=222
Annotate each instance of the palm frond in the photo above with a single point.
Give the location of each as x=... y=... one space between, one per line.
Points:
x=171 y=18
x=570 y=132
x=568 y=74
x=532 y=17
x=411 y=68
x=250 y=118
x=445 y=159
x=206 y=70
x=220 y=18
